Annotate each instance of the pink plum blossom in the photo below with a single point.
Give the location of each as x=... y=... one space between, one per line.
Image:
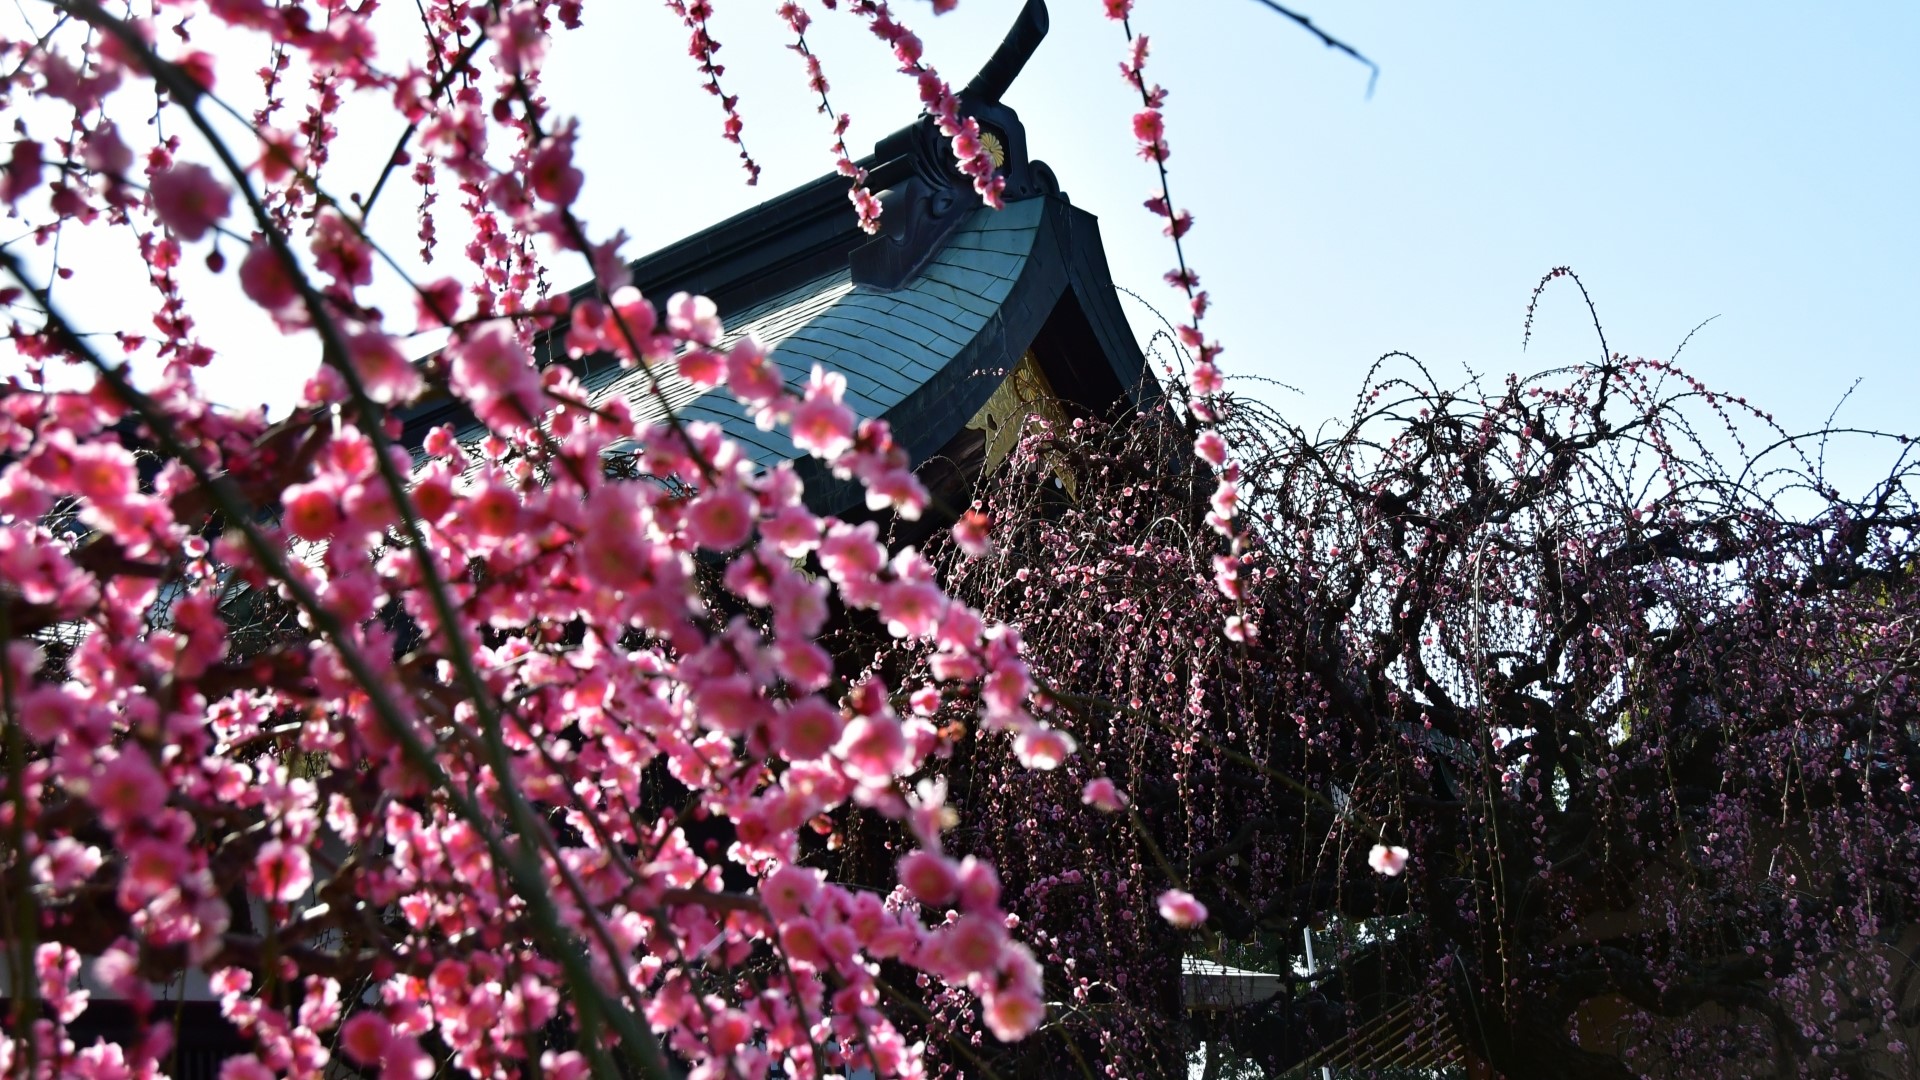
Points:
x=284 y=871
x=1043 y=748
x=807 y=729
x=1387 y=860
x=1179 y=908
x=930 y=877
x=694 y=318
x=1211 y=448
x=873 y=747
x=721 y=520
x=365 y=1036
x=264 y=278
x=820 y=424
x=188 y=200
x=128 y=787
x=970 y=534
x=1102 y=795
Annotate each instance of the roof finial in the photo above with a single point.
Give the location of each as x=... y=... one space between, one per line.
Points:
x=1015 y=49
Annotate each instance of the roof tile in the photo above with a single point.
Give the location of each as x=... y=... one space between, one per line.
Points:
x=886 y=343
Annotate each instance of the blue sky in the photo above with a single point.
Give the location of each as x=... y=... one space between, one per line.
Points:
x=1755 y=162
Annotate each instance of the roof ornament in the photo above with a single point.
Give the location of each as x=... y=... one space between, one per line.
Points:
x=926 y=195
x=1007 y=61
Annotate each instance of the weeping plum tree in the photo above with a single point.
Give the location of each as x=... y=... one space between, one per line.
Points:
x=493 y=756
x=1644 y=722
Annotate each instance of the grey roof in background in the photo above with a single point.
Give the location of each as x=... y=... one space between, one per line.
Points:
x=886 y=343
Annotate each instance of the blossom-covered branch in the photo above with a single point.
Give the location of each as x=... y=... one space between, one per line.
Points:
x=460 y=709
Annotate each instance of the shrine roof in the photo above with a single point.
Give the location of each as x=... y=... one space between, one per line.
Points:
x=887 y=343
x=923 y=319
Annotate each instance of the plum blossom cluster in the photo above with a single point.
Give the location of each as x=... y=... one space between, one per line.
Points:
x=422 y=754
x=702 y=47
x=1121 y=621
x=863 y=199
x=1204 y=385
x=936 y=97
x=1387 y=859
